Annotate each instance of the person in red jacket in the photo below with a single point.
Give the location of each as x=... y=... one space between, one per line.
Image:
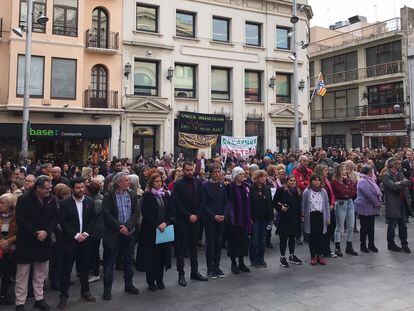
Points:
x=302 y=173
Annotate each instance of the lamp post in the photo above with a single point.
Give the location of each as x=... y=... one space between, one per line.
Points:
x=294 y=20
x=42 y=20
x=26 y=99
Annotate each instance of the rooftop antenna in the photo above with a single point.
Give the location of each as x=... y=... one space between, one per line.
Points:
x=376 y=12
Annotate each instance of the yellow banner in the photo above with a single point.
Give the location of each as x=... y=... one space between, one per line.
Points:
x=195 y=141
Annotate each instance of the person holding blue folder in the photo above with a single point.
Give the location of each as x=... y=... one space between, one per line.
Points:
x=157 y=214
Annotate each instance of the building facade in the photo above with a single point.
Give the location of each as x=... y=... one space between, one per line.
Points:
x=365 y=71
x=75 y=82
x=217 y=56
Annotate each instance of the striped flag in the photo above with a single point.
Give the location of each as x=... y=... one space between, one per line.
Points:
x=321 y=86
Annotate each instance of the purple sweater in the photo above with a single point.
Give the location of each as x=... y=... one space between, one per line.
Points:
x=368 y=199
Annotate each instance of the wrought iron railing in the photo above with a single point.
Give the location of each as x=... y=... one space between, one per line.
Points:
x=358 y=111
x=100 y=99
x=391 y=25
x=1 y=27
x=102 y=39
x=361 y=73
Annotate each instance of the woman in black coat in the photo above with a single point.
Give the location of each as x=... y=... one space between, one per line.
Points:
x=157 y=214
x=287 y=202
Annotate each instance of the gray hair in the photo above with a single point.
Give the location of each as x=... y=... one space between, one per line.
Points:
x=117 y=178
x=41 y=180
x=134 y=182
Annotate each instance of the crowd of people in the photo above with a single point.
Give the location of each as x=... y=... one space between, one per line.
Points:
x=52 y=217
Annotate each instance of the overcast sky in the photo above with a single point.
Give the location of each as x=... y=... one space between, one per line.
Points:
x=327 y=12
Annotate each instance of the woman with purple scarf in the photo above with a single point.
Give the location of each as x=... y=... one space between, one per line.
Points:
x=240 y=223
x=367 y=204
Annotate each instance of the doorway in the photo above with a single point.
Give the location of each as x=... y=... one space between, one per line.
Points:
x=100 y=27
x=144 y=141
x=99 y=87
x=283 y=139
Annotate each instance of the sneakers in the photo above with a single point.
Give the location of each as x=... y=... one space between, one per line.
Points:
x=212 y=274
x=332 y=255
x=321 y=260
x=94 y=278
x=313 y=261
x=295 y=260
x=283 y=262
x=220 y=274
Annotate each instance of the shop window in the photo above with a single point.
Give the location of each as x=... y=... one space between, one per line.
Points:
x=37 y=67
x=65 y=18
x=146 y=78
x=221 y=29
x=256 y=128
x=185 y=24
x=252 y=86
x=283 y=88
x=184 y=81
x=147 y=17
x=63 y=80
x=39 y=7
x=220 y=83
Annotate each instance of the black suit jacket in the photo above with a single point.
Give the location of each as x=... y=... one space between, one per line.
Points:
x=187 y=204
x=69 y=221
x=407 y=169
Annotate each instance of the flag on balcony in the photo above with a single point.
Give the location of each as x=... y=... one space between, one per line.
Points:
x=321 y=86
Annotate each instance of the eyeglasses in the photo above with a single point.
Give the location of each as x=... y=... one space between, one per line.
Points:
x=46 y=188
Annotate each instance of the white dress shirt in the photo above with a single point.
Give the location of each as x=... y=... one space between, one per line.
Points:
x=79 y=207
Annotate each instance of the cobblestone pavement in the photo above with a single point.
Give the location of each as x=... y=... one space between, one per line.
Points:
x=383 y=281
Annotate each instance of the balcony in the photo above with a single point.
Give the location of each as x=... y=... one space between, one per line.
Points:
x=353 y=37
x=1 y=27
x=100 y=99
x=361 y=73
x=391 y=110
x=106 y=42
x=64 y=30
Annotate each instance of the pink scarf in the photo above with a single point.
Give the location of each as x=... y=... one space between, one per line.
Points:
x=158 y=193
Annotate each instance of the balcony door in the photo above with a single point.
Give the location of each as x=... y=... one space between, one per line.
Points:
x=100 y=27
x=99 y=87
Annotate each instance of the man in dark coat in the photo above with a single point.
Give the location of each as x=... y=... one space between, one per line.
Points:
x=76 y=217
x=120 y=214
x=214 y=213
x=187 y=196
x=36 y=218
x=397 y=200
x=58 y=178
x=110 y=177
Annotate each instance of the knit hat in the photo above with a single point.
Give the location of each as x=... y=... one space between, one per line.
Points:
x=236 y=171
x=253 y=167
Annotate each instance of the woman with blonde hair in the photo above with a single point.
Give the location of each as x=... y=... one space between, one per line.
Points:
x=7 y=242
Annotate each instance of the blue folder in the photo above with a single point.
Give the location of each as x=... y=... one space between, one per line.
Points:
x=166 y=236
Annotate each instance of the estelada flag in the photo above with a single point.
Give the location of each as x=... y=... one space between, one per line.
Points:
x=321 y=86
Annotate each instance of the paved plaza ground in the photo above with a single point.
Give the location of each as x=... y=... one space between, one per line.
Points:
x=383 y=281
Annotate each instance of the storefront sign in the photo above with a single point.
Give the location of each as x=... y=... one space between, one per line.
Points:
x=241 y=146
x=385 y=126
x=195 y=141
x=201 y=123
x=46 y=131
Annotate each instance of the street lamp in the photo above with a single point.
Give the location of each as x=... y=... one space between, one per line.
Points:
x=42 y=20
x=294 y=19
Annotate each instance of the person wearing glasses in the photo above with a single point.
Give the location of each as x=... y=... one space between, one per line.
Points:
x=36 y=218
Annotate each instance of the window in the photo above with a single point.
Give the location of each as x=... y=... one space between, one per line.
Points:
x=147 y=18
x=39 y=7
x=252 y=86
x=340 y=68
x=283 y=88
x=185 y=24
x=256 y=128
x=384 y=53
x=220 y=83
x=184 y=81
x=36 y=75
x=385 y=94
x=282 y=38
x=63 y=78
x=253 y=34
x=146 y=78
x=65 y=18
x=221 y=29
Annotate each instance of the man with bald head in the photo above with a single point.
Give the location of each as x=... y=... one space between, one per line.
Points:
x=57 y=177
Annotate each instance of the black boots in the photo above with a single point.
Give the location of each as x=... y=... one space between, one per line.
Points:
x=350 y=250
x=242 y=266
x=338 y=251
x=364 y=248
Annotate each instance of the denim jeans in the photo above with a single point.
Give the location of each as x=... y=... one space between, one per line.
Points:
x=402 y=228
x=344 y=211
x=258 y=242
x=125 y=246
